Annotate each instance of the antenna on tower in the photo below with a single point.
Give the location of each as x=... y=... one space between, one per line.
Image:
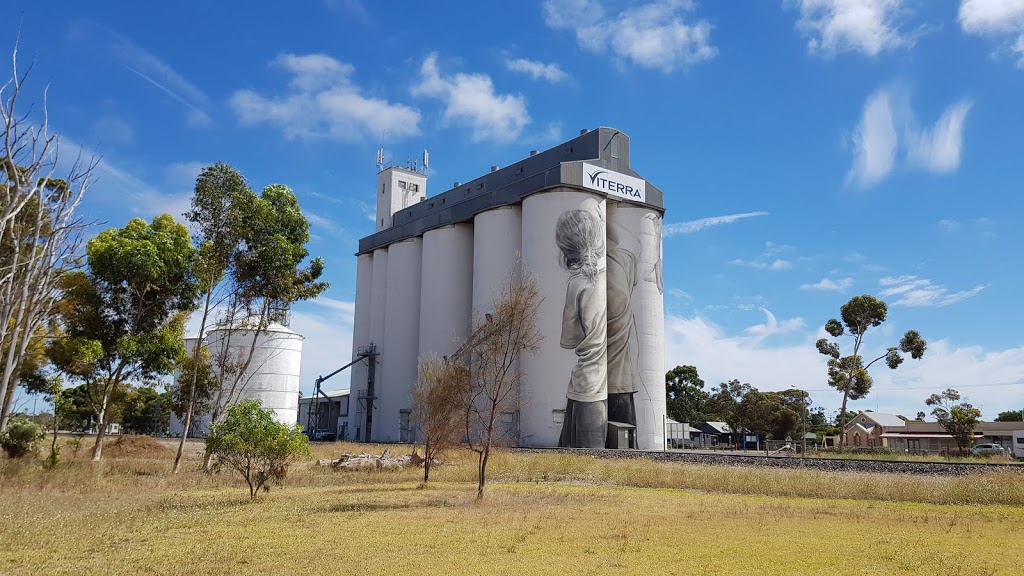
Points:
x=380 y=158
x=426 y=159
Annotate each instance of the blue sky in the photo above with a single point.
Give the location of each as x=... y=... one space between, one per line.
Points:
x=809 y=150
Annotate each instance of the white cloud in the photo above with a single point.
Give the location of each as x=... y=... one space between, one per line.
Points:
x=470 y=99
x=680 y=294
x=949 y=225
x=920 y=292
x=537 y=70
x=150 y=68
x=875 y=141
x=1002 y=20
x=888 y=121
x=827 y=285
x=776 y=264
x=323 y=102
x=773 y=327
x=656 y=34
x=768 y=259
x=692 y=226
x=720 y=356
x=937 y=149
x=867 y=26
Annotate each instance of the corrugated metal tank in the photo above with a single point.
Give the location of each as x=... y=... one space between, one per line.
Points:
x=273 y=372
x=446 y=293
x=547 y=373
x=647 y=345
x=400 y=347
x=361 y=327
x=497 y=241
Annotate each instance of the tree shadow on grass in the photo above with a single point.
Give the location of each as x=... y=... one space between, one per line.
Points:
x=387 y=506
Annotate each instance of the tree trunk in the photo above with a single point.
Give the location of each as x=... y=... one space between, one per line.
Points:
x=482 y=472
x=5 y=410
x=842 y=421
x=207 y=461
x=426 y=461
x=53 y=443
x=101 y=429
x=184 y=433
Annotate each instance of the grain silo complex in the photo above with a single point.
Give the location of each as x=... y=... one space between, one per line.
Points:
x=587 y=227
x=271 y=377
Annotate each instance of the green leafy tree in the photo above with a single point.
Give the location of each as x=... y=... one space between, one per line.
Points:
x=21 y=437
x=959 y=420
x=221 y=193
x=124 y=318
x=146 y=410
x=268 y=274
x=1010 y=416
x=686 y=398
x=723 y=404
x=849 y=374
x=252 y=443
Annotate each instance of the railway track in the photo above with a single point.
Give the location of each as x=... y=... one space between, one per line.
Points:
x=795 y=462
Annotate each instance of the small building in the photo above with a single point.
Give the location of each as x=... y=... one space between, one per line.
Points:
x=329 y=416
x=710 y=434
x=868 y=429
x=932 y=438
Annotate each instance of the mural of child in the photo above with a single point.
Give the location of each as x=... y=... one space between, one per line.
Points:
x=580 y=236
x=623 y=376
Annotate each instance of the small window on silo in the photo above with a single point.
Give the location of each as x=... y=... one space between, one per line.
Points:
x=401 y=184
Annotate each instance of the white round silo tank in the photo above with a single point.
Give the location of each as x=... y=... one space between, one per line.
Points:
x=273 y=372
x=360 y=331
x=641 y=228
x=446 y=291
x=400 y=348
x=548 y=372
x=497 y=242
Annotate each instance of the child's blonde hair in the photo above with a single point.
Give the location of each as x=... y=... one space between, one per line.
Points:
x=580 y=236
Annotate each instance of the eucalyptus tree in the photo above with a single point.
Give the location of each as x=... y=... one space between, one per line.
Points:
x=40 y=232
x=686 y=399
x=124 y=318
x=849 y=374
x=269 y=272
x=958 y=419
x=216 y=211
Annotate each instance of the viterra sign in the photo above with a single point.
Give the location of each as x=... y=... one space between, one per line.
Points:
x=614 y=184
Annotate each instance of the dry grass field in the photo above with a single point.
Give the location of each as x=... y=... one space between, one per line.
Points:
x=543 y=514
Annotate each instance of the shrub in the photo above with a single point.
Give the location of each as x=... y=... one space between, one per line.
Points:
x=255 y=445
x=21 y=437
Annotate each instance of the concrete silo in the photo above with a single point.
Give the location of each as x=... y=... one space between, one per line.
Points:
x=360 y=333
x=588 y=229
x=497 y=243
x=571 y=363
x=446 y=291
x=635 y=230
x=400 y=346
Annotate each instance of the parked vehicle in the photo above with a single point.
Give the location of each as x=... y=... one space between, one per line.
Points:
x=322 y=436
x=988 y=450
x=1018 y=444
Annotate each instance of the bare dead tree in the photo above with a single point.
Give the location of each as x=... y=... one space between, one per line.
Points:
x=493 y=350
x=40 y=232
x=436 y=406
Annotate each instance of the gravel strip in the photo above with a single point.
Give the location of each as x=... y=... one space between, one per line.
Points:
x=794 y=462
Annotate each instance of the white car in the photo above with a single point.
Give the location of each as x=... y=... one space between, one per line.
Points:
x=988 y=450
